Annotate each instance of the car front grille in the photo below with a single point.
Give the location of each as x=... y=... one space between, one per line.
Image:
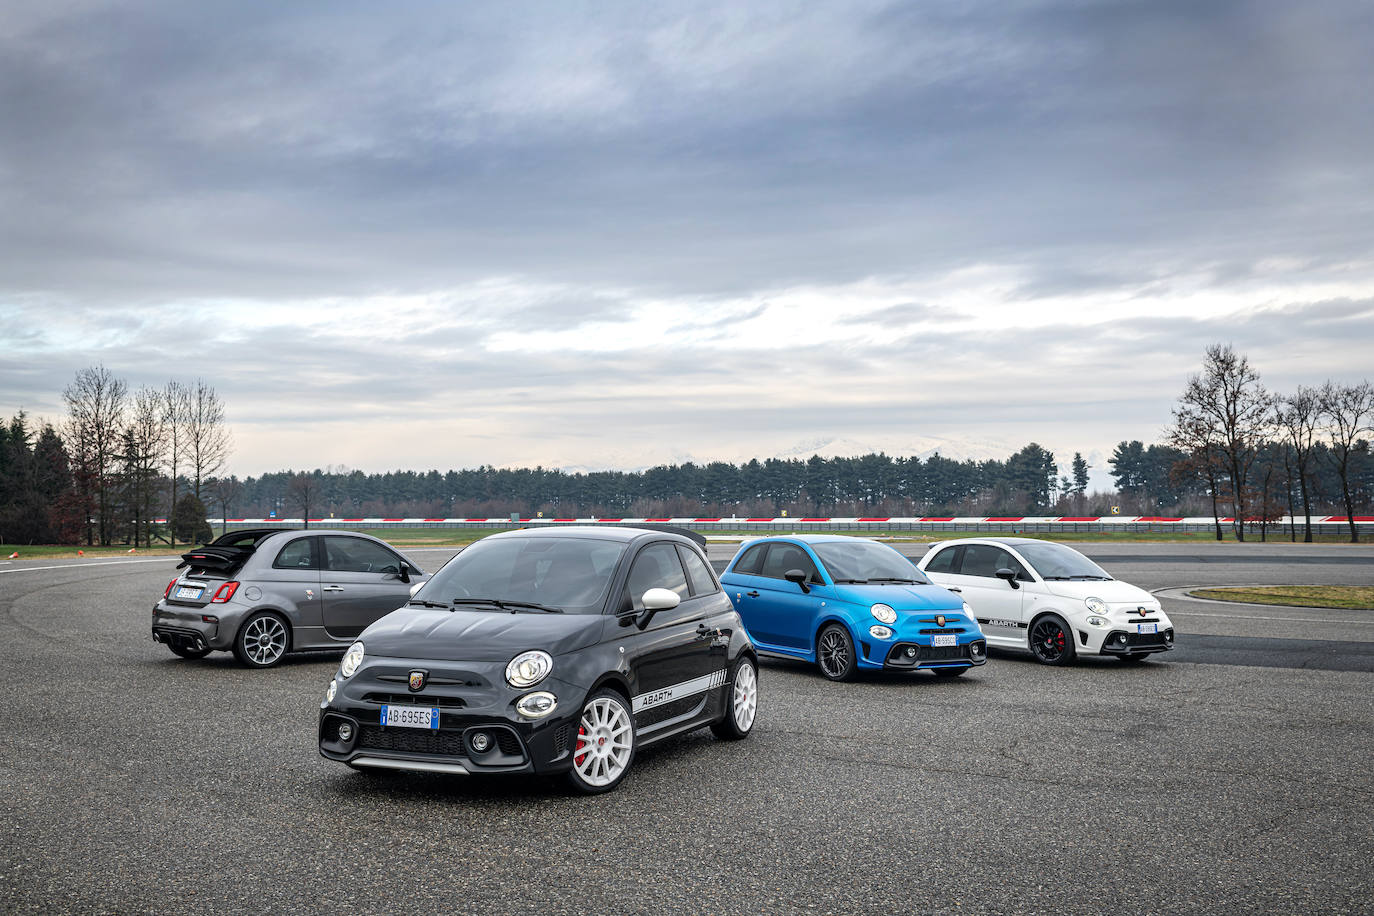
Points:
x=898 y=658
x=411 y=740
x=933 y=631
x=1145 y=640
x=414 y=699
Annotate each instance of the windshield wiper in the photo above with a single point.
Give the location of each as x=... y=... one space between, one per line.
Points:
x=851 y=581
x=423 y=603
x=507 y=605
x=1055 y=578
x=897 y=579
x=1094 y=578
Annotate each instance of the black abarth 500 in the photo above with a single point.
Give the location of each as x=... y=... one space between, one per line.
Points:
x=550 y=650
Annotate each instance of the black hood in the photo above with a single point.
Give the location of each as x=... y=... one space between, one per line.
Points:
x=485 y=635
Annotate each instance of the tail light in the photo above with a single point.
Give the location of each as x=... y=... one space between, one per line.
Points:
x=167 y=591
x=224 y=592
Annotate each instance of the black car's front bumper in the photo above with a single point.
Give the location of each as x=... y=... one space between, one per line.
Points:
x=470 y=707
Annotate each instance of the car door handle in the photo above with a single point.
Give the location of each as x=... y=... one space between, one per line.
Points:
x=332 y=588
x=954 y=588
x=752 y=594
x=703 y=630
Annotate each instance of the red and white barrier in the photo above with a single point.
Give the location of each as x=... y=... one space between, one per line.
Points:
x=784 y=521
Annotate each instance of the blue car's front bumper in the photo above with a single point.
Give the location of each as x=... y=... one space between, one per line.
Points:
x=908 y=649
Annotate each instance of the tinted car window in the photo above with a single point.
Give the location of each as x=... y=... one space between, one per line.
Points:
x=569 y=573
x=356 y=555
x=656 y=566
x=698 y=575
x=985 y=560
x=861 y=561
x=749 y=564
x=1055 y=561
x=943 y=562
x=784 y=556
x=299 y=554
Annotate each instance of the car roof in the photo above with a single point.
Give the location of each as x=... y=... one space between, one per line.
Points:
x=810 y=538
x=605 y=533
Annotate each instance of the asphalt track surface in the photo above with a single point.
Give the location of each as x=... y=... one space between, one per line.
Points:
x=133 y=781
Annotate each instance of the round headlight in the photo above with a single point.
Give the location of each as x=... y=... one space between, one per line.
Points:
x=536 y=705
x=528 y=668
x=883 y=613
x=1096 y=605
x=352 y=659
x=333 y=689
x=879 y=632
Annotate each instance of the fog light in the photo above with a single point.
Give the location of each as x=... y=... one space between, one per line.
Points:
x=880 y=632
x=480 y=742
x=910 y=651
x=975 y=650
x=345 y=732
x=1121 y=638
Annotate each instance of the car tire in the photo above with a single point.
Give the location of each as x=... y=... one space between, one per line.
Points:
x=188 y=653
x=835 y=653
x=605 y=746
x=741 y=702
x=950 y=672
x=262 y=641
x=1051 y=641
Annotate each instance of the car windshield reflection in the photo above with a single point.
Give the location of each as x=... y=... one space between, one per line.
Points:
x=867 y=562
x=569 y=575
x=1055 y=561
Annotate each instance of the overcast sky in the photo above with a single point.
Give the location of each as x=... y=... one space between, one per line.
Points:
x=610 y=235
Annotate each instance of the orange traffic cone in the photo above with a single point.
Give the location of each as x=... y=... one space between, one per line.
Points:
x=15 y=555
x=81 y=553
x=133 y=550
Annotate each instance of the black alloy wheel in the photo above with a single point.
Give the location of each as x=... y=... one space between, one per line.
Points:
x=835 y=653
x=951 y=672
x=184 y=652
x=1051 y=642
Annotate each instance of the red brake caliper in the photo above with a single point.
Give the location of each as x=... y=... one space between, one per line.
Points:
x=581 y=743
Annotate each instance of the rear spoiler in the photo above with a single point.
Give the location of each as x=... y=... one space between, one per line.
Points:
x=688 y=533
x=216 y=559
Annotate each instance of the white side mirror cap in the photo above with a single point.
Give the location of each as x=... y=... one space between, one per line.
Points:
x=660 y=599
x=415 y=588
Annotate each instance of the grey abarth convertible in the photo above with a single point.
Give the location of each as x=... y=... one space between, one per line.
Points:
x=264 y=592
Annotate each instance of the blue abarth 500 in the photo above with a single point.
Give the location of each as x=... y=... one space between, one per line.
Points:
x=818 y=597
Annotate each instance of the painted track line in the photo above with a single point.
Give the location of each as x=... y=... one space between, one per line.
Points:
x=89 y=565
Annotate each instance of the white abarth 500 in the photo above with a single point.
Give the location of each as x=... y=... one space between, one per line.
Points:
x=1050 y=599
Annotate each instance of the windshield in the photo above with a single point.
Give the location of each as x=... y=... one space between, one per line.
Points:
x=866 y=561
x=1055 y=561
x=571 y=574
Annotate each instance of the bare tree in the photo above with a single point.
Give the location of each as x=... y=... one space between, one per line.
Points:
x=176 y=408
x=1348 y=412
x=303 y=493
x=146 y=442
x=1229 y=409
x=207 y=439
x=227 y=491
x=1298 y=417
x=93 y=430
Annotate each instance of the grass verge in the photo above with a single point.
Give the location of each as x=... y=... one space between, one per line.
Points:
x=1352 y=597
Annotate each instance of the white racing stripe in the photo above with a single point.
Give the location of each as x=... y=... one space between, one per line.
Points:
x=678 y=691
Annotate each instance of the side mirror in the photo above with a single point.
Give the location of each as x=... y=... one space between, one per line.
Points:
x=1009 y=575
x=655 y=600
x=415 y=588
x=799 y=577
x=404 y=574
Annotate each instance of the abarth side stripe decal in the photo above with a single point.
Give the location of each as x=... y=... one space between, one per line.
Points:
x=678 y=691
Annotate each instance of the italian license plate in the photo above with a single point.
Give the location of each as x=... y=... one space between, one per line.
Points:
x=187 y=591
x=411 y=716
x=1147 y=628
x=944 y=640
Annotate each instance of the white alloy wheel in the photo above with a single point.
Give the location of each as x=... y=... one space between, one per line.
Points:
x=746 y=696
x=262 y=641
x=605 y=743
